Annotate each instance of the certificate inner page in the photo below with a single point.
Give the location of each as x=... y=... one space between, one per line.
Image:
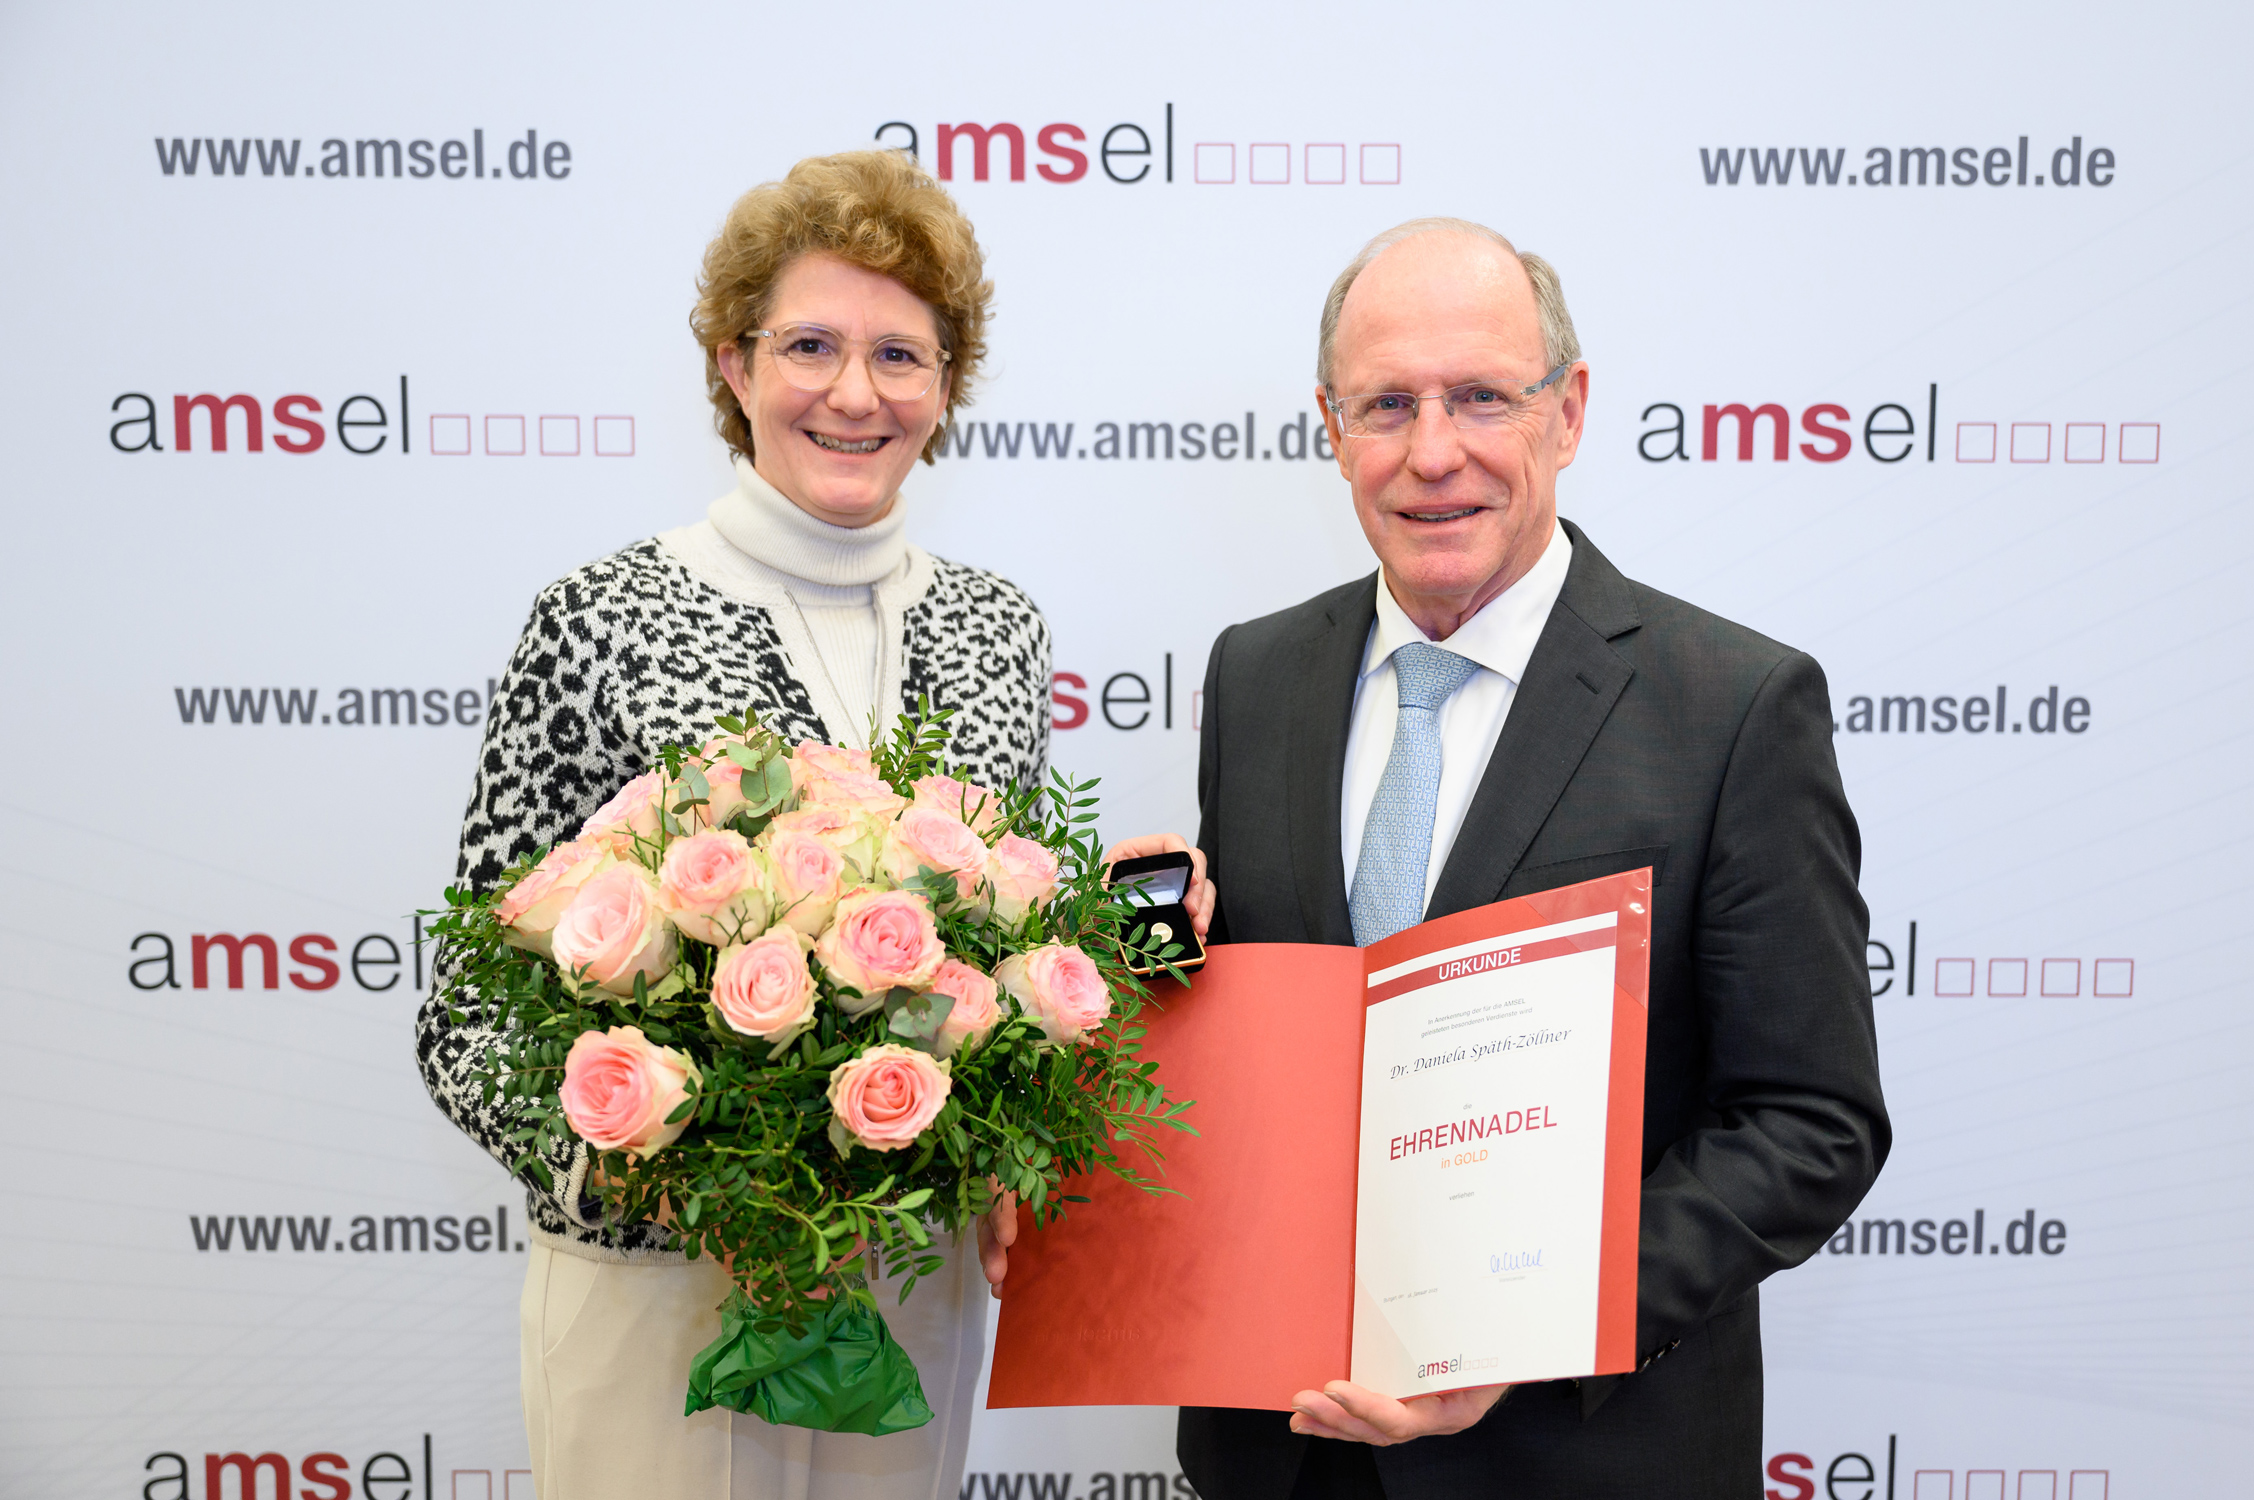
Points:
x=1479 y=1201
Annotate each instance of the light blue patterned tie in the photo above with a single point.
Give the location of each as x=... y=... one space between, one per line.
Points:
x=1397 y=840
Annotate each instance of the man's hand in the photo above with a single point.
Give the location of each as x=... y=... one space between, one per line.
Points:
x=1199 y=901
x=1346 y=1411
x=997 y=1231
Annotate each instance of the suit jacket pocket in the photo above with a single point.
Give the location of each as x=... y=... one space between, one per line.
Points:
x=1559 y=872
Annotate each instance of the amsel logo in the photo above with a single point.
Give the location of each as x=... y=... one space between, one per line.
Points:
x=2016 y=975
x=327 y=1476
x=1858 y=1476
x=1889 y=432
x=1126 y=699
x=1128 y=153
x=361 y=424
x=316 y=961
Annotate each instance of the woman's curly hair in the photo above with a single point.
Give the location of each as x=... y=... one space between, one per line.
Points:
x=873 y=209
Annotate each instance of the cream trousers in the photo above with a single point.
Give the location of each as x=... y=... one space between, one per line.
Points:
x=606 y=1351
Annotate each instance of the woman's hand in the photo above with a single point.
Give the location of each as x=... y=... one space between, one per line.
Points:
x=1199 y=901
x=598 y=1180
x=997 y=1231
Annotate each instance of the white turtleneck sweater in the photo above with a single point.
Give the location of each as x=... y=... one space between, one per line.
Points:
x=836 y=593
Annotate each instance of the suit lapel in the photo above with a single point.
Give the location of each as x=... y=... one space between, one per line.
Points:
x=1572 y=681
x=1330 y=662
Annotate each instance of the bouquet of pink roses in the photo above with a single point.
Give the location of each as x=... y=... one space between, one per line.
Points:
x=806 y=1005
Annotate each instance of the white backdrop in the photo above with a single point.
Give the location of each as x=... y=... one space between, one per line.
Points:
x=2036 y=390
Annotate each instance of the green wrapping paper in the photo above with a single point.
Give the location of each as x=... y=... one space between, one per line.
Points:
x=844 y=1374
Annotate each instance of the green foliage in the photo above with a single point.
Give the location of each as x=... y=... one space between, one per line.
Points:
x=755 y=1180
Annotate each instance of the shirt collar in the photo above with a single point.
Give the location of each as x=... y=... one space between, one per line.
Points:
x=1501 y=636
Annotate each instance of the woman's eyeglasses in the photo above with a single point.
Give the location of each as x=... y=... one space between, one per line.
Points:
x=811 y=358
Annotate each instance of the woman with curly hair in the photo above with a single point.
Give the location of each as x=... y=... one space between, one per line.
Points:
x=842 y=313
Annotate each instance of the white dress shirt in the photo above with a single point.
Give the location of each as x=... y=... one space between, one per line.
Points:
x=1501 y=639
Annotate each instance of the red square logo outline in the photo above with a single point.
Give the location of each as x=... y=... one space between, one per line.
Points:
x=545 y=450
x=2099 y=979
x=1252 y=164
x=2122 y=447
x=1197 y=162
x=630 y=436
x=431 y=447
x=522 y=446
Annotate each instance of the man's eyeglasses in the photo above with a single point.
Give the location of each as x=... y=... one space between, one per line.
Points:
x=811 y=357
x=1478 y=404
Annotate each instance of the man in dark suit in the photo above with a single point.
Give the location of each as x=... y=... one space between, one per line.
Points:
x=1499 y=711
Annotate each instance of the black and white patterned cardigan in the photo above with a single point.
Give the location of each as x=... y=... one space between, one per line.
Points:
x=644 y=648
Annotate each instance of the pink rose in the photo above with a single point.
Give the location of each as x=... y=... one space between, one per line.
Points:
x=967 y=800
x=636 y=812
x=856 y=835
x=926 y=838
x=613 y=930
x=885 y=1098
x=831 y=775
x=618 y=1089
x=531 y=907
x=1023 y=874
x=975 y=1012
x=878 y=940
x=806 y=877
x=1059 y=987
x=814 y=761
x=713 y=889
x=764 y=988
x=725 y=778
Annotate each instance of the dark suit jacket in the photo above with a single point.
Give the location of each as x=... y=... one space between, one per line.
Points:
x=1646 y=732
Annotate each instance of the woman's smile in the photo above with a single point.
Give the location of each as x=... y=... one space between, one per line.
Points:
x=844 y=445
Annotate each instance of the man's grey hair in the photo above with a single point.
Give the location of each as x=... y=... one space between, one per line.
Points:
x=1560 y=345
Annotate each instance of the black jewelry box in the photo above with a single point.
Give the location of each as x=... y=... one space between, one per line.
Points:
x=1157 y=885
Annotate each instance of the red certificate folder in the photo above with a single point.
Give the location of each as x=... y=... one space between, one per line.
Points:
x=1239 y=1287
